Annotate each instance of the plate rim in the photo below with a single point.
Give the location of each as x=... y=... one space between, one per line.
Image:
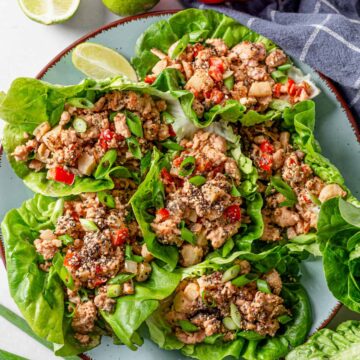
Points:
x=349 y=115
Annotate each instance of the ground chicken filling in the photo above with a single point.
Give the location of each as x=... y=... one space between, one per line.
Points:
x=215 y=73
x=275 y=158
x=199 y=199
x=212 y=305
x=127 y=121
x=101 y=253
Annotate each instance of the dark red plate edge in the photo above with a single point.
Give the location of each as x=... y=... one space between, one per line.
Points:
x=115 y=23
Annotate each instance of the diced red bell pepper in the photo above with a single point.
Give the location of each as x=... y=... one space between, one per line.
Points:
x=291 y=87
x=216 y=96
x=99 y=281
x=71 y=259
x=178 y=161
x=233 y=213
x=163 y=214
x=215 y=73
x=98 y=269
x=277 y=90
x=171 y=131
x=218 y=169
x=166 y=176
x=197 y=48
x=217 y=63
x=265 y=162
x=266 y=147
x=63 y=176
x=149 y=79
x=121 y=236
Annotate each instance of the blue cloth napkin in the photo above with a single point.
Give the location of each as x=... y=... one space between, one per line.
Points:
x=325 y=34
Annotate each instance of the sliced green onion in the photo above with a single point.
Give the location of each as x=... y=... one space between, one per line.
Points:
x=284 y=67
x=263 y=286
x=120 y=279
x=244 y=279
x=134 y=147
x=283 y=188
x=66 y=239
x=88 y=225
x=187 y=326
x=68 y=313
x=105 y=164
x=130 y=256
x=180 y=46
x=284 y=319
x=235 y=315
x=167 y=118
x=229 y=82
x=106 y=199
x=145 y=163
x=80 y=125
x=114 y=291
x=62 y=271
x=235 y=192
x=171 y=145
x=228 y=246
x=81 y=103
x=250 y=335
x=279 y=76
x=84 y=295
x=187 y=166
x=230 y=273
x=134 y=124
x=229 y=323
x=197 y=180
x=5 y=355
x=186 y=234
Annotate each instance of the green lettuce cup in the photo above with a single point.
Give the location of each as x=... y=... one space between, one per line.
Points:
x=219 y=68
x=211 y=314
x=64 y=140
x=77 y=270
x=294 y=178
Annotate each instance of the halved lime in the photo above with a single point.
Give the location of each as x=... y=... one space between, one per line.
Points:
x=49 y=11
x=100 y=62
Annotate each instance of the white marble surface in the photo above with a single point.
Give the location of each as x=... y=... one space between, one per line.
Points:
x=25 y=48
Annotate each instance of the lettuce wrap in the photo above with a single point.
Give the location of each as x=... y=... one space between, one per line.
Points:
x=296 y=179
x=40 y=295
x=245 y=344
x=30 y=103
x=168 y=39
x=155 y=194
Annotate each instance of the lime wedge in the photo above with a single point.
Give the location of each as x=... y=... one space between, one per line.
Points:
x=100 y=62
x=49 y=11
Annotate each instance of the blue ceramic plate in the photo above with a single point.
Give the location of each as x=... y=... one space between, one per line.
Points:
x=336 y=131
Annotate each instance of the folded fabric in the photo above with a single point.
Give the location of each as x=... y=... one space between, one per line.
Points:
x=325 y=34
